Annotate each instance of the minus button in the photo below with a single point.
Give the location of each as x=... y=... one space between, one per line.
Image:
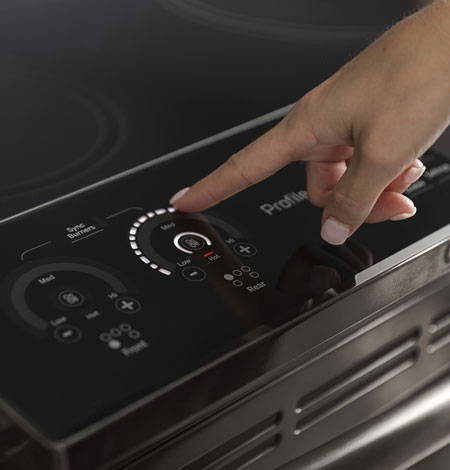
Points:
x=193 y=273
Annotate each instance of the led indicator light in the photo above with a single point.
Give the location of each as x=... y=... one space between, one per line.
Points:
x=132 y=237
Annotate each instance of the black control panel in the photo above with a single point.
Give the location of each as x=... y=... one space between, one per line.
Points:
x=110 y=295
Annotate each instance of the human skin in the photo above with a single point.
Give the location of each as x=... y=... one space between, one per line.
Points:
x=361 y=132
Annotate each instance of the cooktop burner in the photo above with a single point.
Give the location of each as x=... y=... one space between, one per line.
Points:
x=88 y=93
x=51 y=131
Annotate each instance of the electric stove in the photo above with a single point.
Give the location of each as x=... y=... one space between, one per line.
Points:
x=128 y=328
x=136 y=337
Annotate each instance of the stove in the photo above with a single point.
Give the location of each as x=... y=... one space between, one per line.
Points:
x=126 y=324
x=89 y=92
x=137 y=337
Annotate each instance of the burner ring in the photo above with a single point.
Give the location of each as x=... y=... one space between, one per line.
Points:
x=52 y=132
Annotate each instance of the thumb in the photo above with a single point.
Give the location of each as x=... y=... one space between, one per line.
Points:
x=356 y=194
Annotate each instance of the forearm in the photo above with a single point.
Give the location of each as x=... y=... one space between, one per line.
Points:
x=434 y=20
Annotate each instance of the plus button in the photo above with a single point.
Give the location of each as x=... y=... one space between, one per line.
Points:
x=245 y=249
x=127 y=305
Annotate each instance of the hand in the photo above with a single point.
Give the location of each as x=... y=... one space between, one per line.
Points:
x=361 y=131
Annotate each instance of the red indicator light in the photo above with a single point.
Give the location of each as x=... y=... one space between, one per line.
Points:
x=208 y=254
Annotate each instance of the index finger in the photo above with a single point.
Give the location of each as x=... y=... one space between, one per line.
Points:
x=254 y=163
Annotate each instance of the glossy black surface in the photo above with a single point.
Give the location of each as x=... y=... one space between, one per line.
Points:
x=348 y=13
x=305 y=22
x=88 y=91
x=98 y=280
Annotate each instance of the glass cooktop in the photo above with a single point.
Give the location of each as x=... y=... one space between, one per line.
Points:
x=316 y=13
x=110 y=295
x=88 y=92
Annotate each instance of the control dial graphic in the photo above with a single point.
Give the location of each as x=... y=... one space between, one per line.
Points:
x=68 y=298
x=199 y=247
x=170 y=241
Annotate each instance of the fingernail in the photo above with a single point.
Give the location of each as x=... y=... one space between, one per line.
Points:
x=404 y=215
x=334 y=232
x=179 y=195
x=414 y=173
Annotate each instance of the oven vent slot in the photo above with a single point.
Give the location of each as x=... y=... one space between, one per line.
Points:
x=242 y=450
x=439 y=331
x=373 y=372
x=252 y=456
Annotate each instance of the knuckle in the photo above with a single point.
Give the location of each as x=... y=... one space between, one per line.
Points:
x=346 y=202
x=209 y=195
x=383 y=154
x=236 y=165
x=314 y=198
x=304 y=104
x=372 y=151
x=233 y=161
x=304 y=107
x=378 y=158
x=308 y=101
x=298 y=128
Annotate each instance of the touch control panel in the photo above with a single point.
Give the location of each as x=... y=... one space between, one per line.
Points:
x=190 y=245
x=109 y=295
x=68 y=299
x=163 y=237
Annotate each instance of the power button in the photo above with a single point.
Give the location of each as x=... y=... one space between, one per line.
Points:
x=190 y=242
x=71 y=298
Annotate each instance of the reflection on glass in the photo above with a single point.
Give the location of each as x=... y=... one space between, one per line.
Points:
x=315 y=273
x=312 y=274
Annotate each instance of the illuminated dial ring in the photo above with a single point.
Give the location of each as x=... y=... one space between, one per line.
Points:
x=154 y=261
x=141 y=230
x=177 y=239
